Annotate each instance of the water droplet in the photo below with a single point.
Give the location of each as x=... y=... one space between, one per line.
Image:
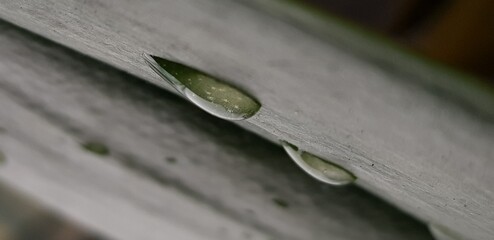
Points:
x=441 y=233
x=2 y=158
x=171 y=160
x=210 y=94
x=280 y=202
x=318 y=168
x=96 y=148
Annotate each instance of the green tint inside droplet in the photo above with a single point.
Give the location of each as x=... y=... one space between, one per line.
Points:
x=318 y=168
x=207 y=92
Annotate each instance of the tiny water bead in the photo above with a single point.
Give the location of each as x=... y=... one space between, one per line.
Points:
x=210 y=94
x=318 y=168
x=280 y=203
x=2 y=158
x=96 y=148
x=441 y=233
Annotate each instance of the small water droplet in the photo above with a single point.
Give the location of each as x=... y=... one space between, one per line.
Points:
x=171 y=160
x=318 y=168
x=280 y=202
x=2 y=158
x=197 y=87
x=442 y=233
x=96 y=148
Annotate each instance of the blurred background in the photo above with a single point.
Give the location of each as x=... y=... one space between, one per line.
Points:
x=459 y=33
x=24 y=219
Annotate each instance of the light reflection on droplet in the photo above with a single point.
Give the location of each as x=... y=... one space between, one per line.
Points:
x=210 y=94
x=318 y=168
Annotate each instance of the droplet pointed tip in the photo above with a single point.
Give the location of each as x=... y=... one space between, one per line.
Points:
x=147 y=56
x=149 y=59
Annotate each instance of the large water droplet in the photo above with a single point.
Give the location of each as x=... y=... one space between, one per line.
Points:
x=318 y=168
x=441 y=233
x=209 y=93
